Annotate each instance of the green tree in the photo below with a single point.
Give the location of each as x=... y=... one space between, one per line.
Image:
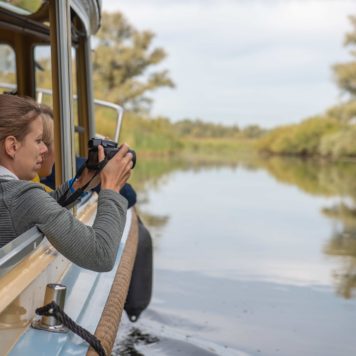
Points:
x=253 y=131
x=123 y=64
x=345 y=77
x=201 y=129
x=7 y=64
x=345 y=73
x=30 y=5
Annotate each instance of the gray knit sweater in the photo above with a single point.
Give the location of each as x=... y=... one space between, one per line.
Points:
x=26 y=204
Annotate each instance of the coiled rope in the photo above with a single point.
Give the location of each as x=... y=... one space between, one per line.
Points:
x=53 y=309
x=108 y=325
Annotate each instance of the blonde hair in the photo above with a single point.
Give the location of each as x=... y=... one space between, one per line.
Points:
x=47 y=119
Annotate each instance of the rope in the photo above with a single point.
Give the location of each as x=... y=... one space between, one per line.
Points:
x=108 y=325
x=109 y=322
x=53 y=309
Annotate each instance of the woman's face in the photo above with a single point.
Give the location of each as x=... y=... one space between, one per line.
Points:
x=29 y=154
x=49 y=156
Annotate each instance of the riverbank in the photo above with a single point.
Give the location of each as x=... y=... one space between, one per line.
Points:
x=331 y=136
x=186 y=139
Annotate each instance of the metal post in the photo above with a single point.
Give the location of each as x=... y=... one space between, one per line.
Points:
x=54 y=293
x=61 y=45
x=85 y=94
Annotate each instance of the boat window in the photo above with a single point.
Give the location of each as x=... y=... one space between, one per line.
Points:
x=7 y=68
x=43 y=74
x=42 y=56
x=28 y=6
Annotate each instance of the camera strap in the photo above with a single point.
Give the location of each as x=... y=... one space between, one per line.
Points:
x=64 y=200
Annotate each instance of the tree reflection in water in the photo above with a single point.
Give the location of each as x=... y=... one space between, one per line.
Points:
x=328 y=179
x=153 y=173
x=314 y=176
x=343 y=243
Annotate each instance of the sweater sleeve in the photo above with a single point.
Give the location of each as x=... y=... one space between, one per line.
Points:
x=58 y=192
x=95 y=247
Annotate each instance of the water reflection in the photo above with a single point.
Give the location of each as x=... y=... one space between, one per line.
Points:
x=327 y=179
x=134 y=338
x=155 y=222
x=315 y=177
x=152 y=174
x=343 y=243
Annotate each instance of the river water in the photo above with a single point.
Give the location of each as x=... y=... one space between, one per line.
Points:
x=254 y=258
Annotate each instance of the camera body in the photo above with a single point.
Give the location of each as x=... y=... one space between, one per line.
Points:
x=110 y=149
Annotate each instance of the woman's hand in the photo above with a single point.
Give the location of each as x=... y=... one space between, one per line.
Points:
x=118 y=170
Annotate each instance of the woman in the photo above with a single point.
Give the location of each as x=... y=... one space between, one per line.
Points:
x=24 y=204
x=48 y=139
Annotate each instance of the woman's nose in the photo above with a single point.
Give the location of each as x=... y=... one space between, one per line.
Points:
x=44 y=148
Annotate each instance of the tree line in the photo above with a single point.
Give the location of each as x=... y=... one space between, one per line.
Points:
x=330 y=135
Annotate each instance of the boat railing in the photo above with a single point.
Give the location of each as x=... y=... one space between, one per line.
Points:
x=15 y=251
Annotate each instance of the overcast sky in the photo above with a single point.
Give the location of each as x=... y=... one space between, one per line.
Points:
x=245 y=62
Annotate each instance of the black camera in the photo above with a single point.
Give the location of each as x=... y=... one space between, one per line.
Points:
x=110 y=149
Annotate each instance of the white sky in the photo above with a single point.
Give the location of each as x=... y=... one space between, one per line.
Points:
x=245 y=62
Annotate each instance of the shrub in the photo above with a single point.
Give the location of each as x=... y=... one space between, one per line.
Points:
x=339 y=144
x=299 y=139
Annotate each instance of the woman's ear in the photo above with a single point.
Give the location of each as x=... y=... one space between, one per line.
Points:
x=11 y=146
